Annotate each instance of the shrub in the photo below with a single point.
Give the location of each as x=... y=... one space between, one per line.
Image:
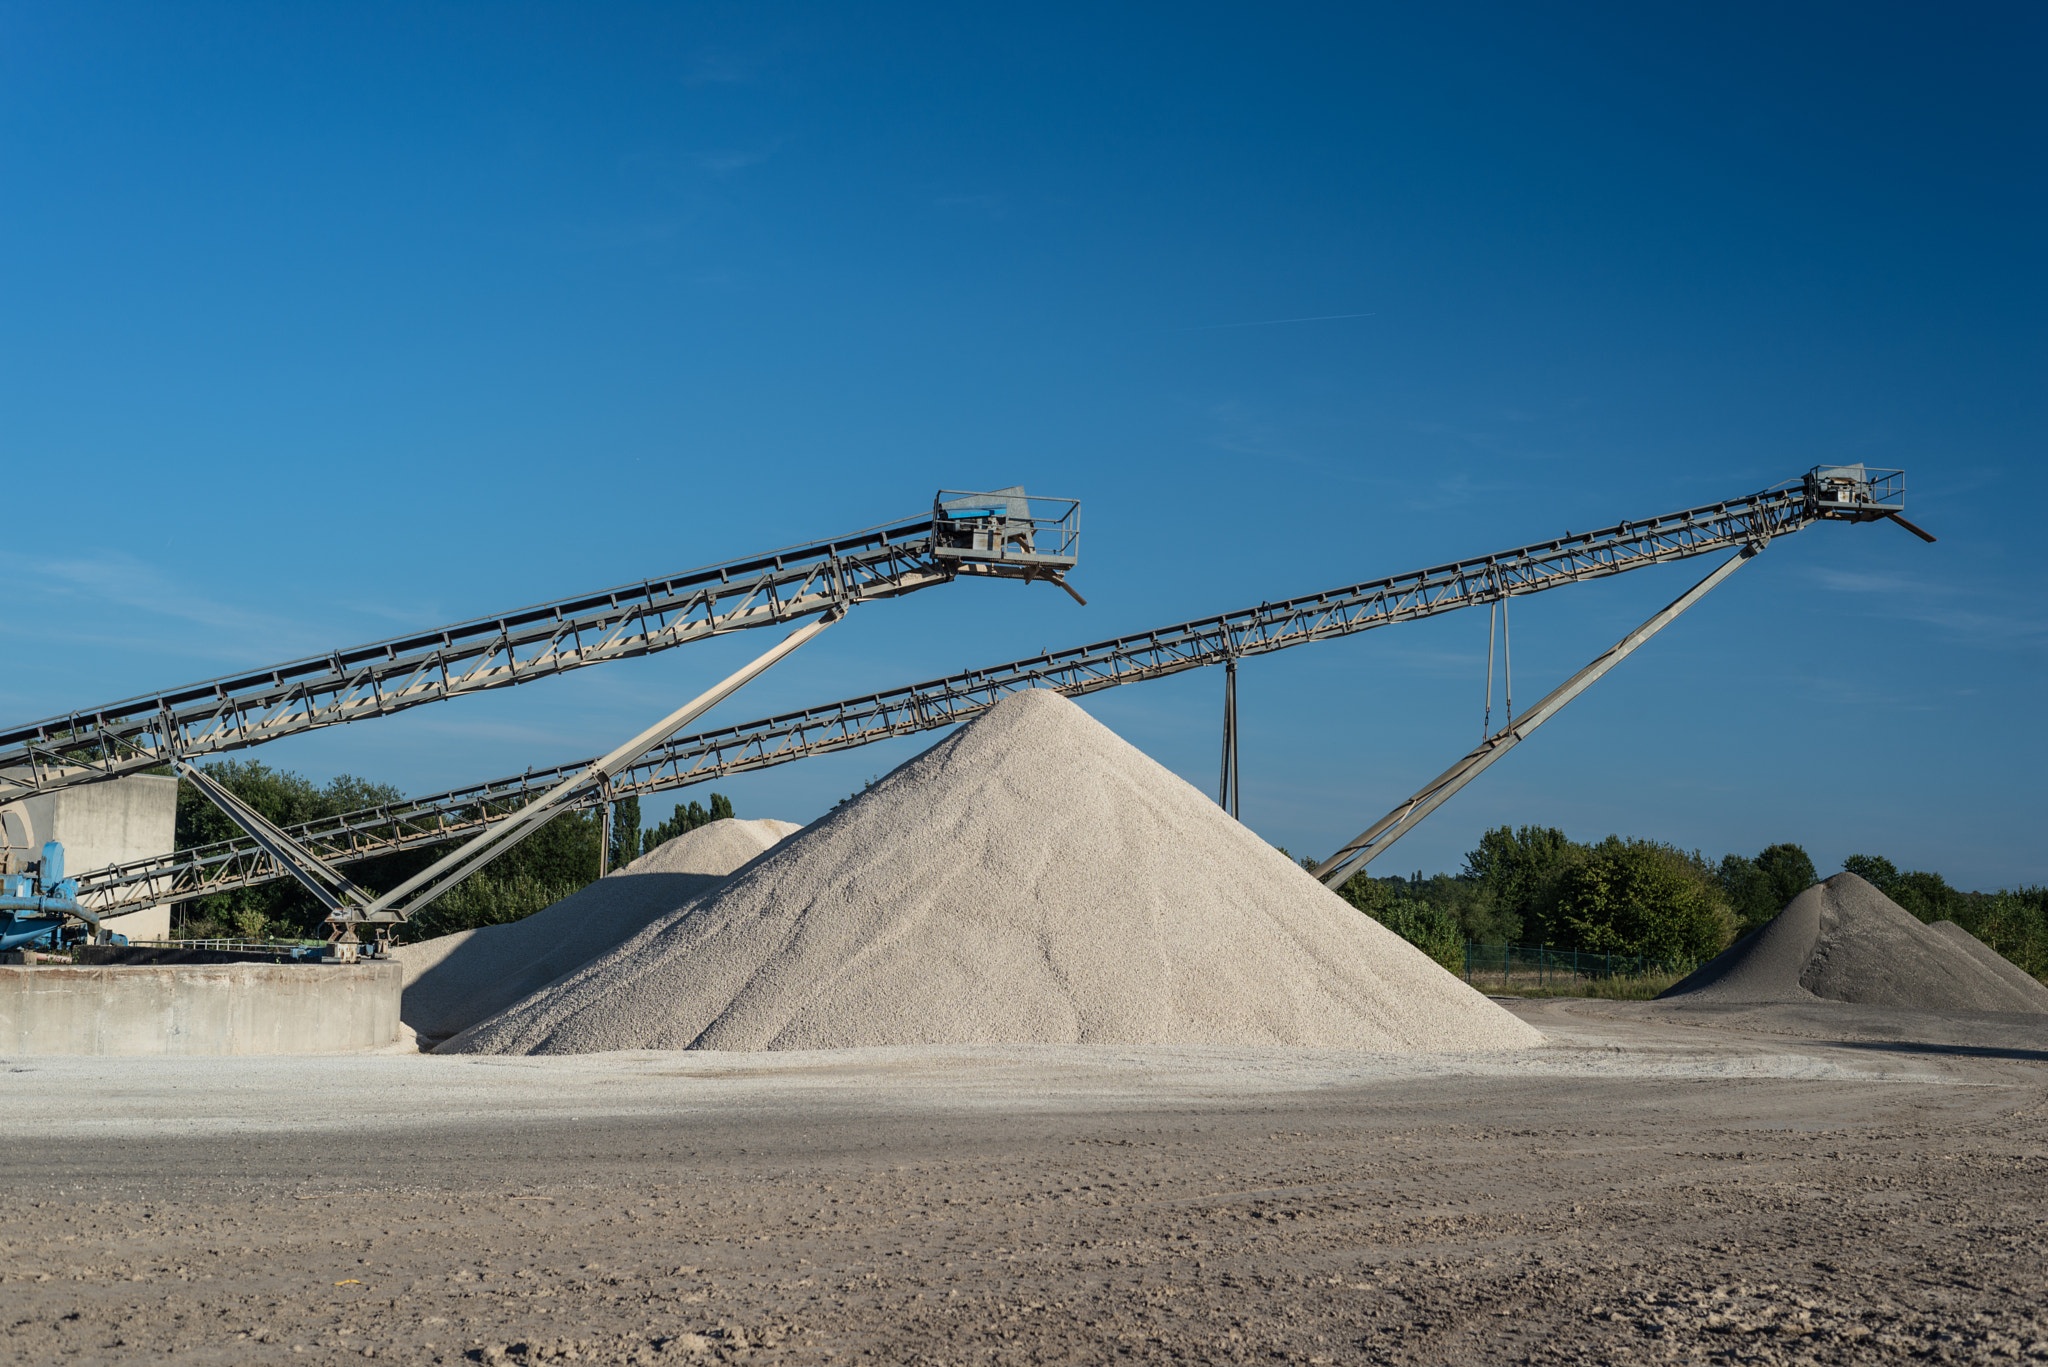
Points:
x=1426 y=925
x=1639 y=897
x=486 y=899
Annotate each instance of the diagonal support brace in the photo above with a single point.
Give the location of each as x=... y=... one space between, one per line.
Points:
x=445 y=873
x=1380 y=837
x=329 y=885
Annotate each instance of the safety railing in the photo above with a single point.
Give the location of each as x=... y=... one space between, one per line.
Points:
x=1006 y=525
x=280 y=949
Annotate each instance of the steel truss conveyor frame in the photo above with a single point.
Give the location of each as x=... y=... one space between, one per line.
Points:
x=704 y=756
x=234 y=712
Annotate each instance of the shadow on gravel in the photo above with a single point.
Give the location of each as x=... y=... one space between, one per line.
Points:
x=1963 y=1050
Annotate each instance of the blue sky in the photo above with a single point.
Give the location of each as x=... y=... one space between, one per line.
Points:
x=321 y=324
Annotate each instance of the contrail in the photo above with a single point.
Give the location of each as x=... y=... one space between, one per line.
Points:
x=1275 y=322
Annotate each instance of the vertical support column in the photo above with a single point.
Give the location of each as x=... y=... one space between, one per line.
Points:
x=1507 y=656
x=1226 y=795
x=604 y=836
x=1486 y=717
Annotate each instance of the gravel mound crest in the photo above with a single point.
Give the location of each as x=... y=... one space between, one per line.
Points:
x=1030 y=879
x=1844 y=941
x=454 y=981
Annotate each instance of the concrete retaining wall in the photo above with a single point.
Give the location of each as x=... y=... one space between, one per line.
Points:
x=106 y=823
x=199 y=1009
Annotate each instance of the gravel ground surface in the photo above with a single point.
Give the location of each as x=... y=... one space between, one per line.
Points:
x=1646 y=1187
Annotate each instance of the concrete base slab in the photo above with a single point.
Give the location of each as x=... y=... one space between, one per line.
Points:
x=185 y=1009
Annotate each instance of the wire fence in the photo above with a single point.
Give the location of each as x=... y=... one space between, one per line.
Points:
x=230 y=946
x=1534 y=966
x=279 y=951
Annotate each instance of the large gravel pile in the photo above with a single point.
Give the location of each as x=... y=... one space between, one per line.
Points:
x=1844 y=941
x=454 y=981
x=1030 y=879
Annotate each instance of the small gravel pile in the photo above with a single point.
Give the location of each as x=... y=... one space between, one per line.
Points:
x=454 y=981
x=1844 y=941
x=716 y=849
x=2025 y=983
x=1031 y=879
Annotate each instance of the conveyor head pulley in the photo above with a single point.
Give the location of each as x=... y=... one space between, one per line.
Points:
x=1855 y=493
x=1007 y=531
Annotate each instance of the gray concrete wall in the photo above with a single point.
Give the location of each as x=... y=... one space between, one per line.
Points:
x=199 y=1009
x=109 y=823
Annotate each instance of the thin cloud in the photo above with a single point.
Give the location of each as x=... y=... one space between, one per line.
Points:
x=1243 y=433
x=988 y=205
x=1508 y=447
x=535 y=738
x=725 y=161
x=718 y=69
x=122 y=580
x=1459 y=490
x=1981 y=628
x=408 y=615
x=627 y=235
x=1275 y=322
x=1866 y=581
x=1900 y=597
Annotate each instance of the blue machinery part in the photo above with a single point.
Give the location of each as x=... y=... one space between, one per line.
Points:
x=35 y=906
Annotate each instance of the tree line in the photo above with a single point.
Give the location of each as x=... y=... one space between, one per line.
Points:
x=1528 y=885
x=556 y=860
x=1531 y=885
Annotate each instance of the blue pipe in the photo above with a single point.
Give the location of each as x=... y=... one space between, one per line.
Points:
x=35 y=906
x=17 y=932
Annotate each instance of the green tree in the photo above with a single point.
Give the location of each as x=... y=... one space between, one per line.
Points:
x=2015 y=923
x=1638 y=897
x=625 y=832
x=1748 y=891
x=1927 y=895
x=539 y=871
x=284 y=799
x=1758 y=889
x=687 y=819
x=488 y=898
x=1875 y=869
x=562 y=855
x=1788 y=871
x=1514 y=869
x=1428 y=926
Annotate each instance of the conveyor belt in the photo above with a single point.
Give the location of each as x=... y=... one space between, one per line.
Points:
x=516 y=647
x=851 y=722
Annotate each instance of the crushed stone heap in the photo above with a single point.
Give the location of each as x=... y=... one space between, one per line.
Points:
x=454 y=981
x=713 y=850
x=1032 y=878
x=1842 y=940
